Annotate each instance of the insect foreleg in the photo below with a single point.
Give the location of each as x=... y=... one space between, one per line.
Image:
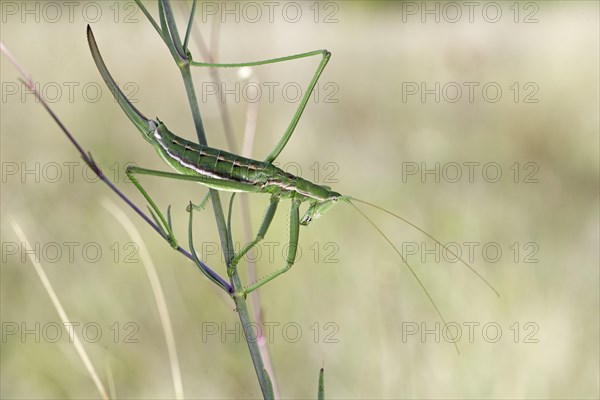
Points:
x=292 y=247
x=132 y=170
x=167 y=232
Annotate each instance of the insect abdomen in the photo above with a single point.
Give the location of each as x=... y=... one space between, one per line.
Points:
x=191 y=158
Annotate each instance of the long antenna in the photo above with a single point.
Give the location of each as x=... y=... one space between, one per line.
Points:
x=412 y=271
x=429 y=236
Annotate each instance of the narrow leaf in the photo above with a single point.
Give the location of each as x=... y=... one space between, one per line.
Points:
x=269 y=387
x=321 y=390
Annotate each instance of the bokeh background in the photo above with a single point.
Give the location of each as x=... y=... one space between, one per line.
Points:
x=348 y=304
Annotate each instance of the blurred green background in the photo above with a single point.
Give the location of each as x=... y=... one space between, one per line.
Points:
x=372 y=132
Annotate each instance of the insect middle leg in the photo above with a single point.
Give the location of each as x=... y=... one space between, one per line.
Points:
x=202 y=205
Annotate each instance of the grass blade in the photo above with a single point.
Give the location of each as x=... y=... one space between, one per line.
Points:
x=269 y=394
x=73 y=337
x=321 y=390
x=159 y=296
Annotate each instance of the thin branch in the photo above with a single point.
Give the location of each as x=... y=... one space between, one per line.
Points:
x=189 y=27
x=215 y=76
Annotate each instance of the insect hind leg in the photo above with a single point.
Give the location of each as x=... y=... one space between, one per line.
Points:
x=292 y=248
x=325 y=56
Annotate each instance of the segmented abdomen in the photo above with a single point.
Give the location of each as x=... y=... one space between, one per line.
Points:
x=191 y=158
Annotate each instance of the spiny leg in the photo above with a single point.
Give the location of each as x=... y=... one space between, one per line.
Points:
x=290 y=129
x=262 y=231
x=292 y=247
x=200 y=206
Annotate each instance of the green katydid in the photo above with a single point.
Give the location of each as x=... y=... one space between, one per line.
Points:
x=218 y=169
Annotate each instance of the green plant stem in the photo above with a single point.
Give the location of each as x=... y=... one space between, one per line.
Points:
x=227 y=245
x=169 y=34
x=251 y=338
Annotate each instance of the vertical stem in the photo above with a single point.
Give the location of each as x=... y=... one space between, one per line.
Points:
x=224 y=235
x=227 y=244
x=248 y=143
x=209 y=55
x=251 y=339
x=186 y=74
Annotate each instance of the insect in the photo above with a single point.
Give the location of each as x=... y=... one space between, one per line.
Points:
x=221 y=170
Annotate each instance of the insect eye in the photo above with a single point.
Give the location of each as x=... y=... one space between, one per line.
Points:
x=306 y=220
